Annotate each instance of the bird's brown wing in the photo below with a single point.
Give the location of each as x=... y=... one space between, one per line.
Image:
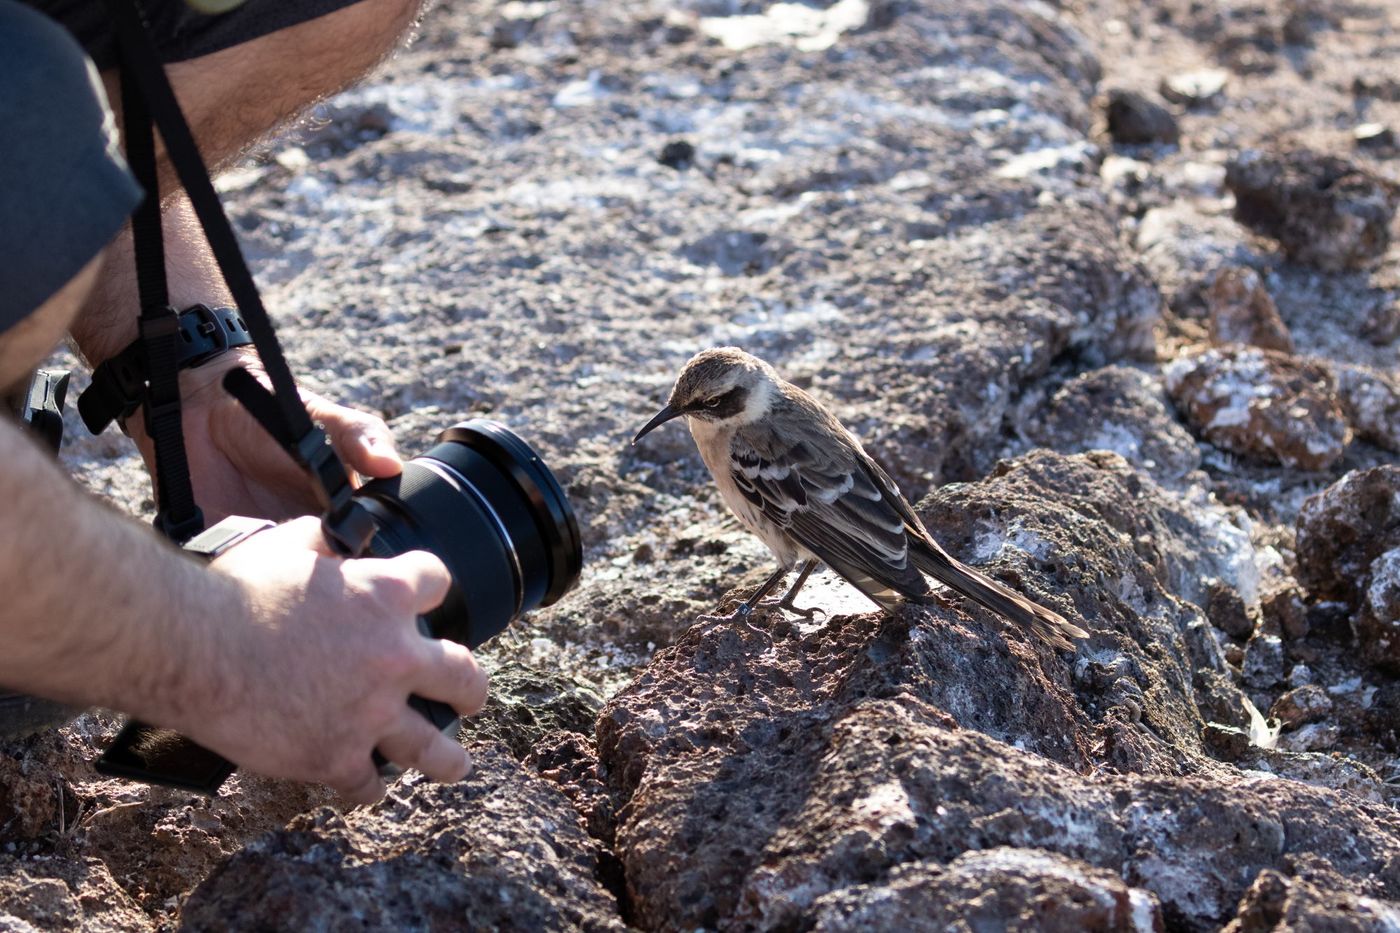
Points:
x=931 y=558
x=813 y=484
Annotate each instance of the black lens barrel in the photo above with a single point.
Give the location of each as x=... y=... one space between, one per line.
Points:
x=485 y=503
x=555 y=540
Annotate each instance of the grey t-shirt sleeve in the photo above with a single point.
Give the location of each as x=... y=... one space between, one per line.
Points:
x=64 y=188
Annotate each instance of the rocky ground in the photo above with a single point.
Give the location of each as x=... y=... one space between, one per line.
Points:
x=1109 y=287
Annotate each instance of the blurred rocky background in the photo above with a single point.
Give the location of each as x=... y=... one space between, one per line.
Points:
x=1109 y=286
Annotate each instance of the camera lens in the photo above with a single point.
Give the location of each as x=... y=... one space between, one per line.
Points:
x=485 y=503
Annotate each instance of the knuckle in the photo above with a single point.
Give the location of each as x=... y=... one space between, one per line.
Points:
x=432 y=567
x=383 y=714
x=395 y=592
x=418 y=748
x=395 y=659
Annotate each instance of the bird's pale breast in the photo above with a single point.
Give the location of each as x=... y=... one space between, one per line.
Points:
x=714 y=446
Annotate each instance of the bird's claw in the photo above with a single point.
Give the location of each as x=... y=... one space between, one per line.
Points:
x=807 y=613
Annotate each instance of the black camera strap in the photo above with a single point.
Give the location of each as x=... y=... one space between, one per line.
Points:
x=178 y=517
x=280 y=411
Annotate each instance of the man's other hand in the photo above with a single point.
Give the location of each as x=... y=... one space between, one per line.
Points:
x=236 y=466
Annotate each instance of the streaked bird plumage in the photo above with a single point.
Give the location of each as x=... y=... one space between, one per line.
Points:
x=796 y=478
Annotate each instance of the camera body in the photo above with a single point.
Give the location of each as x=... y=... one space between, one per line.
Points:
x=484 y=503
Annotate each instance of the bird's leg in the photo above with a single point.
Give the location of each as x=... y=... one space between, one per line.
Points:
x=747 y=606
x=787 y=601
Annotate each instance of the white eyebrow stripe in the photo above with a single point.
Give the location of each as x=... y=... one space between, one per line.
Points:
x=758 y=402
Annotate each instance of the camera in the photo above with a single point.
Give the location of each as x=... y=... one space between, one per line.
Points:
x=484 y=503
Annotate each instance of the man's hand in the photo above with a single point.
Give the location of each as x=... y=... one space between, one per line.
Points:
x=280 y=657
x=236 y=466
x=322 y=677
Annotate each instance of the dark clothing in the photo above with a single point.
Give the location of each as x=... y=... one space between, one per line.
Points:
x=64 y=188
x=180 y=32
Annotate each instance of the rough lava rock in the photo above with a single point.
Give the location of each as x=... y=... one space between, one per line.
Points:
x=1123 y=410
x=1371 y=400
x=1242 y=311
x=1324 y=211
x=1344 y=528
x=536 y=212
x=1261 y=404
x=525 y=704
x=502 y=849
x=1378 y=626
x=776 y=780
x=1276 y=903
x=1134 y=118
x=1002 y=888
x=1301 y=705
x=1348 y=545
x=59 y=896
x=1185 y=247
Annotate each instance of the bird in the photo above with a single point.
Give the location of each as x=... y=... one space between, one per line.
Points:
x=796 y=478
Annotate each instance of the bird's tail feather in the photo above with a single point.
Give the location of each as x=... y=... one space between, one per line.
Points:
x=977 y=586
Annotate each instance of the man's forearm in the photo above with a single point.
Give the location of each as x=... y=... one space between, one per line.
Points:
x=96 y=609
x=107 y=322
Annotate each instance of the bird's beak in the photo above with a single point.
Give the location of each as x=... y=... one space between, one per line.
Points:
x=662 y=416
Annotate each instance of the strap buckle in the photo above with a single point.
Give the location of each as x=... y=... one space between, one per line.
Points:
x=117 y=390
x=208 y=332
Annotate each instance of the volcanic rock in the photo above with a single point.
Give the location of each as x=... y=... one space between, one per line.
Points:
x=1276 y=902
x=63 y=896
x=1381 y=325
x=1260 y=404
x=1381 y=87
x=517 y=20
x=1313 y=737
x=1301 y=705
x=1185 y=248
x=1285 y=611
x=762 y=773
x=1263 y=661
x=998 y=889
x=1371 y=400
x=500 y=849
x=1123 y=410
x=1134 y=118
x=29 y=803
x=1378 y=627
x=570 y=762
x=911 y=224
x=1323 y=210
x=1342 y=531
x=1242 y=311
x=525 y=704
x=1227 y=611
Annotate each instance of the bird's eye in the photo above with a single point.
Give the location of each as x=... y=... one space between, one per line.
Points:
x=713 y=402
